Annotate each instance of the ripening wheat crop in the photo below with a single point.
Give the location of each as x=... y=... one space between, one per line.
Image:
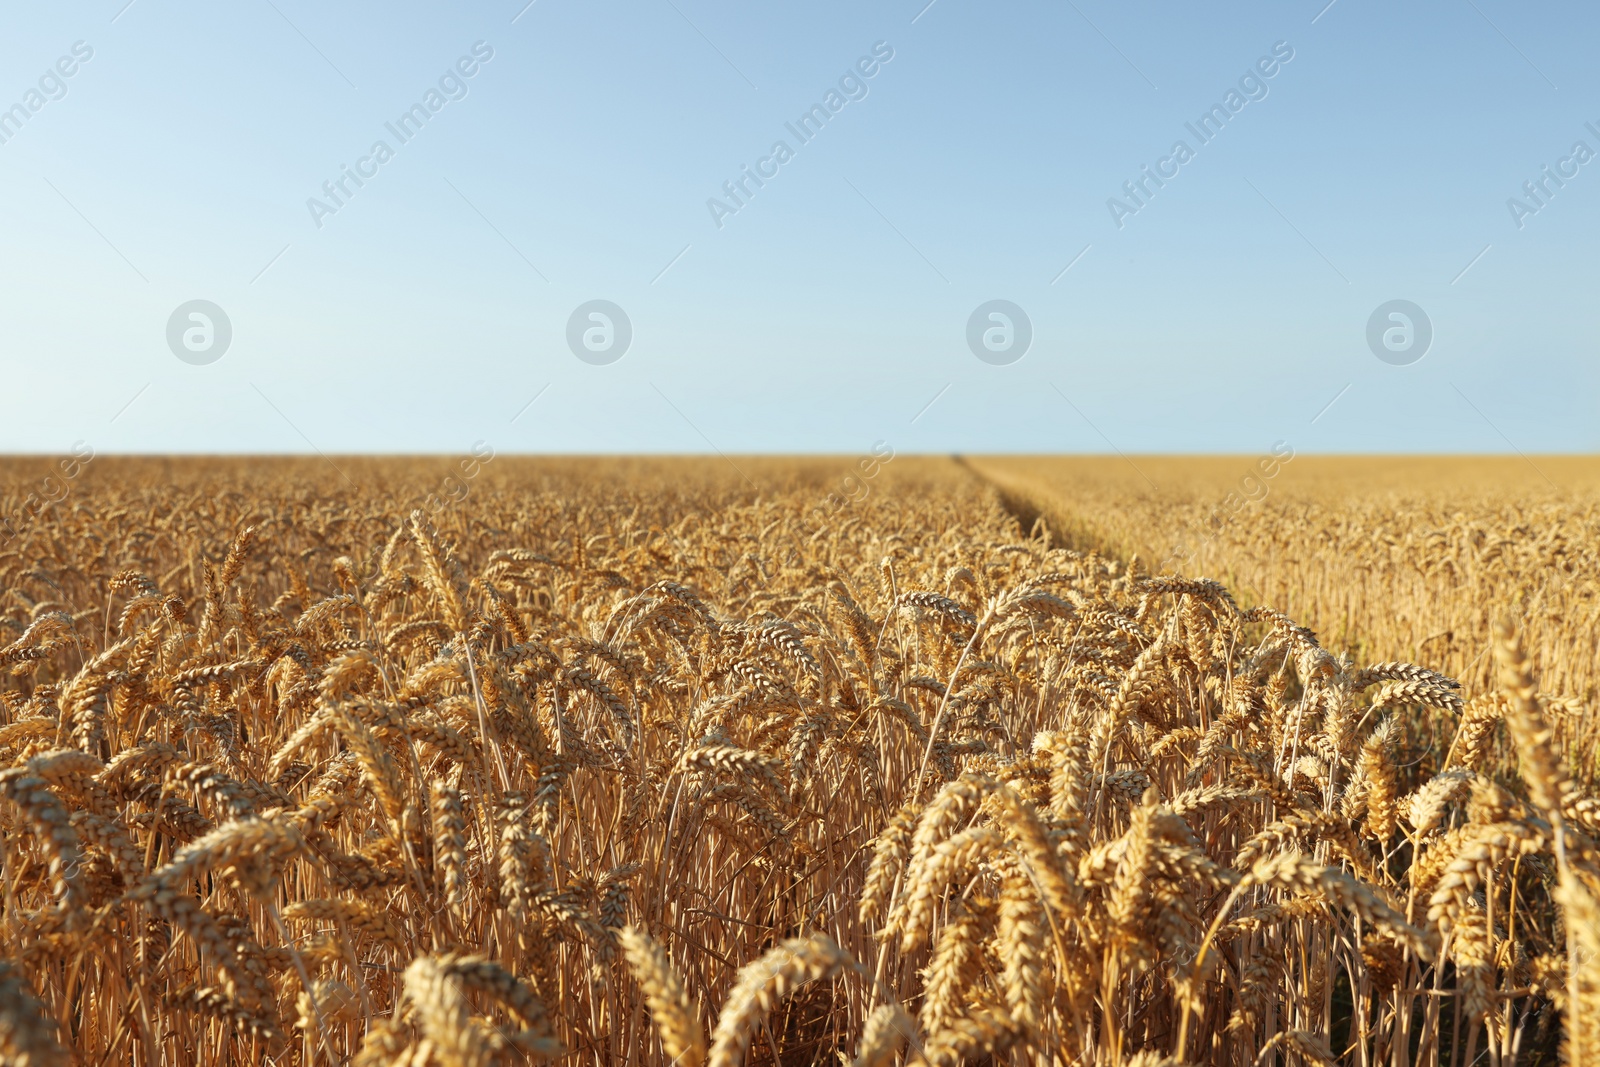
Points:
x=666 y=763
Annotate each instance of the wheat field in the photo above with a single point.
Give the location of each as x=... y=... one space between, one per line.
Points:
x=827 y=761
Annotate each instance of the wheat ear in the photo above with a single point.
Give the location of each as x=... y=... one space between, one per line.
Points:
x=676 y=1021
x=762 y=984
x=27 y=1033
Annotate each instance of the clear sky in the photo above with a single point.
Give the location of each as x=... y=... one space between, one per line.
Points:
x=566 y=152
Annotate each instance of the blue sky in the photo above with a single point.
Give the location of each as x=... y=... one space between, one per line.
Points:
x=576 y=163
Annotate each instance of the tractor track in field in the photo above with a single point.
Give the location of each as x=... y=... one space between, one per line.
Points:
x=1031 y=503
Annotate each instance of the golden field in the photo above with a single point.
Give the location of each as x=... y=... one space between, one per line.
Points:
x=497 y=760
x=1387 y=557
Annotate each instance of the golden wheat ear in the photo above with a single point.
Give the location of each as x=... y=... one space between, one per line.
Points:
x=760 y=985
x=677 y=1020
x=27 y=1032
